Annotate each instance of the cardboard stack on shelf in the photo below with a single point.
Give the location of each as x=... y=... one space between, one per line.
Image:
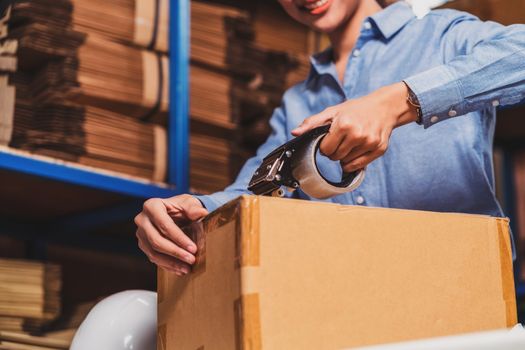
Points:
x=30 y=300
x=32 y=313
x=81 y=97
x=28 y=291
x=236 y=61
x=8 y=63
x=90 y=89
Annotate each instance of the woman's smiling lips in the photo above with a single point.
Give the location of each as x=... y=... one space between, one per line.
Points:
x=316 y=7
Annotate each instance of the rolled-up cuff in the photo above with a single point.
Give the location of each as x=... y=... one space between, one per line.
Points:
x=208 y=202
x=438 y=93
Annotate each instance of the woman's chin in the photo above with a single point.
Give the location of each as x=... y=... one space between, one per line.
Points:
x=325 y=24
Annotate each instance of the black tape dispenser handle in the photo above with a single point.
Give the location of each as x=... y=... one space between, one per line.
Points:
x=294 y=165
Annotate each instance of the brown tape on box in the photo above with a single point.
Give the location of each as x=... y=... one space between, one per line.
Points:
x=507 y=271
x=161 y=337
x=197 y=234
x=162 y=286
x=247 y=232
x=248 y=322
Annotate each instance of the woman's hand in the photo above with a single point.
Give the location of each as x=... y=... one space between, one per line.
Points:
x=159 y=236
x=360 y=128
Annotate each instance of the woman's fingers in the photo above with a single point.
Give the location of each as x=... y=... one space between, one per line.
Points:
x=164 y=261
x=362 y=161
x=160 y=243
x=157 y=214
x=315 y=120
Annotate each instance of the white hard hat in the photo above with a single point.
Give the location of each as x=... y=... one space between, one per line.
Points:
x=126 y=320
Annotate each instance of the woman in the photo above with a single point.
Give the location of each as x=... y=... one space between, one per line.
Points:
x=413 y=100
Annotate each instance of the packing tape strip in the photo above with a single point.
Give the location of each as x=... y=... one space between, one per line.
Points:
x=507 y=274
x=248 y=322
x=161 y=337
x=247 y=242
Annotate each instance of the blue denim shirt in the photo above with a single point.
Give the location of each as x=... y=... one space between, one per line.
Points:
x=459 y=67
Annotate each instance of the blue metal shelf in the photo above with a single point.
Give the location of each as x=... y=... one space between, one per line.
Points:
x=178 y=128
x=520 y=289
x=178 y=159
x=108 y=196
x=82 y=176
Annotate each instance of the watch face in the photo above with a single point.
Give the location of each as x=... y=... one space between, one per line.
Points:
x=413 y=98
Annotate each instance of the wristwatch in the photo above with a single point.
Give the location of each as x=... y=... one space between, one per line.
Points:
x=413 y=101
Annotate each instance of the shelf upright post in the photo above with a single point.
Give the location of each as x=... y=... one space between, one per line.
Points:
x=178 y=128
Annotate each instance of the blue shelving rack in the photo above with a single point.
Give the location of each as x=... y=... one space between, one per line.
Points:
x=45 y=200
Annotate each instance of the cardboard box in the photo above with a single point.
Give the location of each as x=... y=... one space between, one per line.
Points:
x=287 y=274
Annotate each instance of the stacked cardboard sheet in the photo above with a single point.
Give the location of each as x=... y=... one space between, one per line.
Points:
x=210 y=158
x=238 y=76
x=28 y=290
x=8 y=64
x=92 y=136
x=93 y=71
x=82 y=97
x=210 y=100
x=214 y=28
x=139 y=22
x=85 y=69
x=22 y=341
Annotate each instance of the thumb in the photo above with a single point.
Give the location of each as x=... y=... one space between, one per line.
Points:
x=312 y=122
x=195 y=212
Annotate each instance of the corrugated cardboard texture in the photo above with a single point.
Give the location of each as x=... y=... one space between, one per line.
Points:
x=199 y=309
x=324 y=276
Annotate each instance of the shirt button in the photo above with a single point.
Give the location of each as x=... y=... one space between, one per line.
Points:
x=367 y=25
x=360 y=200
x=452 y=113
x=434 y=119
x=357 y=52
x=495 y=103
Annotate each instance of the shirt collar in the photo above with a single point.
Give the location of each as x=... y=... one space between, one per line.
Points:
x=393 y=18
x=388 y=22
x=322 y=62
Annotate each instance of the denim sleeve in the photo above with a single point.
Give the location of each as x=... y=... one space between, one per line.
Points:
x=484 y=67
x=239 y=187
